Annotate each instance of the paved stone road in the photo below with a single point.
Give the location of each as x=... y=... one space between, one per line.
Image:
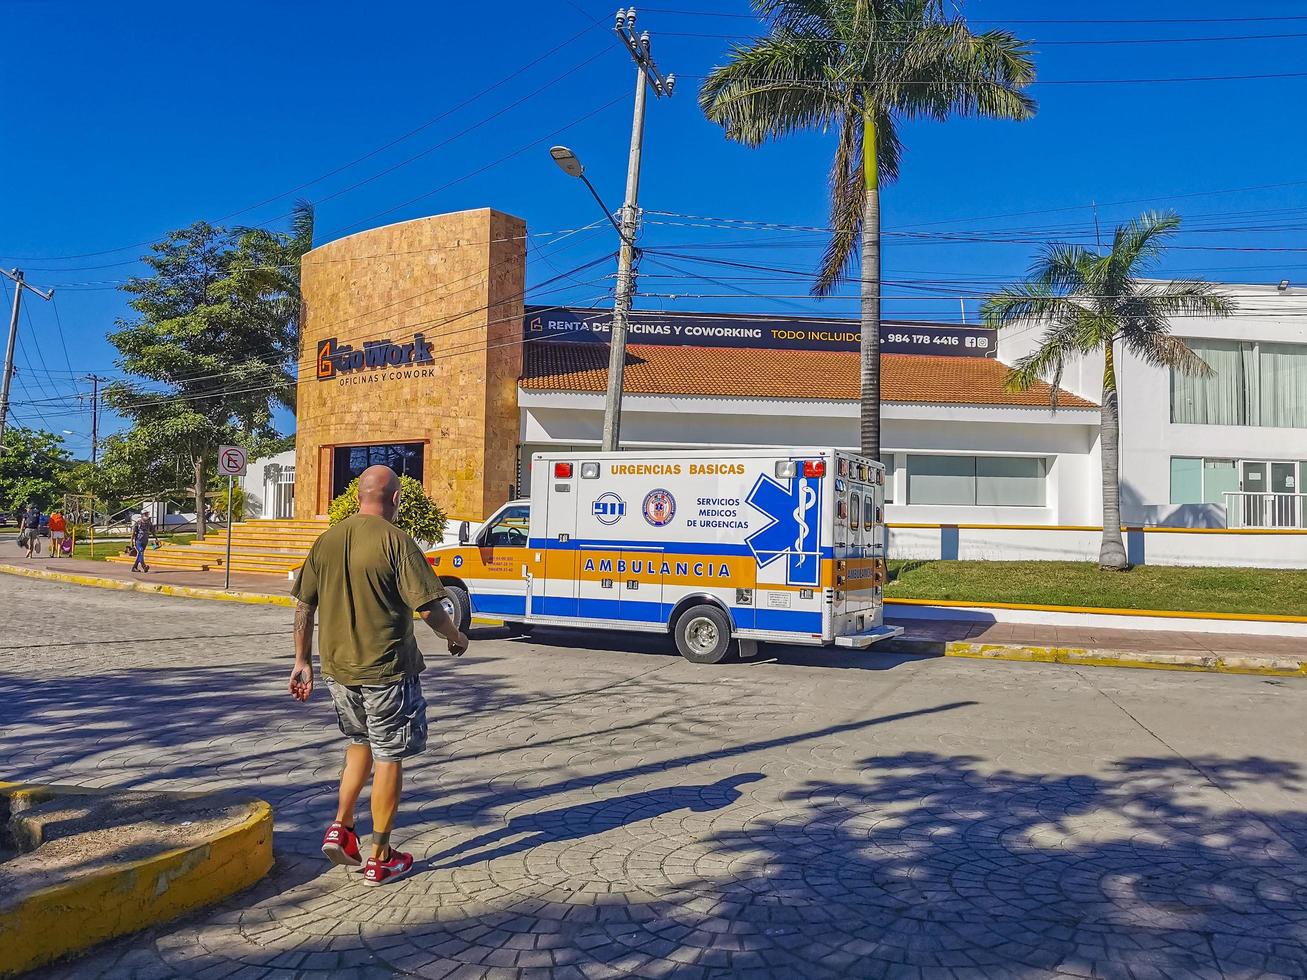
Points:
x=593 y=813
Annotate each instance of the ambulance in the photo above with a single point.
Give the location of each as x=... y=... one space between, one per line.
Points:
x=721 y=549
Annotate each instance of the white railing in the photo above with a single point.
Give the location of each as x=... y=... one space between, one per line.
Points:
x=1270 y=510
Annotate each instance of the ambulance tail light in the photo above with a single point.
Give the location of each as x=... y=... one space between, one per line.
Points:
x=562 y=471
x=814 y=467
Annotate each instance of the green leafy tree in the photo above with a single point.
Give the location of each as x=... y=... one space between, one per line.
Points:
x=419 y=515
x=212 y=350
x=33 y=468
x=1092 y=303
x=862 y=68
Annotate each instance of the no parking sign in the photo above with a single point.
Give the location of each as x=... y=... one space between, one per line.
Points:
x=231 y=461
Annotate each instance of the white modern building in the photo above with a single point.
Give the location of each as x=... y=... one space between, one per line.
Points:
x=269 y=485
x=1224 y=450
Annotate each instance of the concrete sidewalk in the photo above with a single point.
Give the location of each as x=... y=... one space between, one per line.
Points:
x=168 y=581
x=1026 y=634
x=1092 y=647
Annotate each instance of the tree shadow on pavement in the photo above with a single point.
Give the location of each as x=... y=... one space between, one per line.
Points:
x=586 y=819
x=918 y=864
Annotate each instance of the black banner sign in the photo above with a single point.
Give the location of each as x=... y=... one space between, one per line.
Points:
x=747 y=330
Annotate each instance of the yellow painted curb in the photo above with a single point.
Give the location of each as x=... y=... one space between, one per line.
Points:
x=72 y=917
x=1084 y=657
x=122 y=585
x=1098 y=610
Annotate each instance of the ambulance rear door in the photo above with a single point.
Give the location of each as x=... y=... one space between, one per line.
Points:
x=553 y=543
x=859 y=566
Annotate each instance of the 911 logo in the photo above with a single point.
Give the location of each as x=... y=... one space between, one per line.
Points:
x=659 y=507
x=608 y=508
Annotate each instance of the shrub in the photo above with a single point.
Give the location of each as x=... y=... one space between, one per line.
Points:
x=419 y=515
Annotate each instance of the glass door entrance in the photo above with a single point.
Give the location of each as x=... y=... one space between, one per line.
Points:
x=1269 y=494
x=348 y=462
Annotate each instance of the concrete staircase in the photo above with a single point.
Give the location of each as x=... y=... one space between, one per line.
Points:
x=269 y=547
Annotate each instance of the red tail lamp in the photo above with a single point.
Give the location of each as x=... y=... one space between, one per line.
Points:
x=814 y=467
x=562 y=471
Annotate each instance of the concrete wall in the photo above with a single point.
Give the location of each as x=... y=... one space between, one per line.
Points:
x=1146 y=546
x=254 y=483
x=457 y=279
x=1148 y=436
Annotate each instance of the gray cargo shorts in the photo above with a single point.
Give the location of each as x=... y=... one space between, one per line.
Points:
x=392 y=719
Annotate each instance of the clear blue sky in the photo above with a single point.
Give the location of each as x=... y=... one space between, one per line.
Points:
x=125 y=121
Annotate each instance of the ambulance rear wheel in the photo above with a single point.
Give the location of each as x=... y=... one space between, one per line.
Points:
x=703 y=635
x=457 y=607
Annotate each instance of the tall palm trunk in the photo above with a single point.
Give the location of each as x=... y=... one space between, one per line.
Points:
x=1112 y=554
x=869 y=376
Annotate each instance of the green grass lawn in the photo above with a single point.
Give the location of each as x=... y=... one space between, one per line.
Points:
x=1065 y=583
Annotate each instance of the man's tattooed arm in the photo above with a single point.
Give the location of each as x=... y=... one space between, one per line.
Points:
x=301 y=675
x=304 y=630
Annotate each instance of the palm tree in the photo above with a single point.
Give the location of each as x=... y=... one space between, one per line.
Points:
x=861 y=68
x=1089 y=303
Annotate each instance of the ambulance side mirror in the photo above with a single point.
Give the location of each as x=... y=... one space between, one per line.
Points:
x=464 y=533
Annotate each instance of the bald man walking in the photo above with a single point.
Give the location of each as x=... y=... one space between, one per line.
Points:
x=363 y=579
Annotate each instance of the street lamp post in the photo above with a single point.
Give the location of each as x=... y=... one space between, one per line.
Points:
x=646 y=74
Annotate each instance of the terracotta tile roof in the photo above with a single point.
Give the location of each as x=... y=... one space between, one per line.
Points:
x=753 y=373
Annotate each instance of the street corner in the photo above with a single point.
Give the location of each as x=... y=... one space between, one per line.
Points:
x=81 y=866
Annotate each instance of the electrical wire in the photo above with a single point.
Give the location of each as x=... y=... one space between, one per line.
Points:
x=1047 y=20
x=740 y=39
x=1038 y=81
x=147 y=403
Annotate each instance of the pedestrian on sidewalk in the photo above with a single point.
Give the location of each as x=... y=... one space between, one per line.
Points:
x=58 y=530
x=365 y=578
x=142 y=531
x=31 y=526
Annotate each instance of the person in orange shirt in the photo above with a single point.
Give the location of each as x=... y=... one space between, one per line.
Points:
x=58 y=529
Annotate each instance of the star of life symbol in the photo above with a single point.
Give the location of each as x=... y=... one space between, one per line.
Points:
x=794 y=507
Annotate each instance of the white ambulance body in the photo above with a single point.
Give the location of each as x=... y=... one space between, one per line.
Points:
x=720 y=548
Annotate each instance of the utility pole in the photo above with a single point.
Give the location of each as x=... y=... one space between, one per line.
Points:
x=646 y=74
x=95 y=380
x=19 y=285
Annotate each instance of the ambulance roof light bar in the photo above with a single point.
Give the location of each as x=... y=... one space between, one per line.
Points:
x=811 y=468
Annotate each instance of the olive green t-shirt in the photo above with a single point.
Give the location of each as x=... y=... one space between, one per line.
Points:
x=366 y=576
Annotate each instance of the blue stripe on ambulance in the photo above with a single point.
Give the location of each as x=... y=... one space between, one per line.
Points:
x=498 y=605
x=635 y=611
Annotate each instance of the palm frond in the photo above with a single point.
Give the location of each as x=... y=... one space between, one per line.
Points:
x=1064 y=269
x=1186 y=297
x=1136 y=245
x=1028 y=302
x=1164 y=350
x=947 y=70
x=301 y=225
x=848 y=194
x=1030 y=370
x=771 y=88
